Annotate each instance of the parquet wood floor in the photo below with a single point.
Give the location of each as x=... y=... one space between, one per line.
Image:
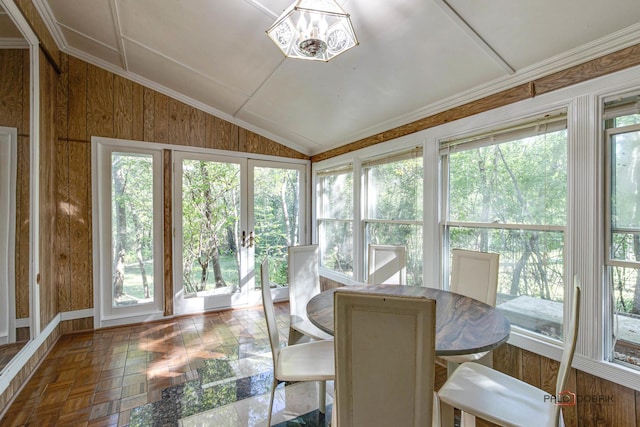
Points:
x=119 y=376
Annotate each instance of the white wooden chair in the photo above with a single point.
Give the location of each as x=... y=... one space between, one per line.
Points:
x=385 y=350
x=313 y=361
x=507 y=401
x=387 y=265
x=304 y=283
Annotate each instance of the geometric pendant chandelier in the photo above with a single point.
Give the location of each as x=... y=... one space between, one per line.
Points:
x=316 y=30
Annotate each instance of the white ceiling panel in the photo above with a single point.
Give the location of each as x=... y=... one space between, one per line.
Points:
x=187 y=82
x=223 y=39
x=415 y=56
x=98 y=50
x=92 y=18
x=528 y=32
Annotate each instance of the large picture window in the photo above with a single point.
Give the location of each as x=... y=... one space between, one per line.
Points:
x=506 y=192
x=622 y=121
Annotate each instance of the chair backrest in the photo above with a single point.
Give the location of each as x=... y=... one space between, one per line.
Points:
x=475 y=275
x=570 y=339
x=387 y=265
x=385 y=359
x=269 y=311
x=304 y=279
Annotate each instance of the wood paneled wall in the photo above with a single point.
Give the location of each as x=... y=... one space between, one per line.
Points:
x=48 y=202
x=96 y=102
x=14 y=113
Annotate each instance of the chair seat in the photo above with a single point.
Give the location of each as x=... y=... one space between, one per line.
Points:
x=461 y=358
x=497 y=397
x=313 y=361
x=305 y=327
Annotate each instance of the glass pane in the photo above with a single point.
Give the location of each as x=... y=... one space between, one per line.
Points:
x=625 y=182
x=626 y=293
x=394 y=190
x=626 y=246
x=336 y=245
x=336 y=196
x=518 y=182
x=409 y=236
x=530 y=286
x=132 y=228
x=633 y=119
x=277 y=219
x=210 y=222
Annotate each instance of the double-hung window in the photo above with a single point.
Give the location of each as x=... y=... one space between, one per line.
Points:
x=392 y=206
x=505 y=191
x=334 y=190
x=622 y=123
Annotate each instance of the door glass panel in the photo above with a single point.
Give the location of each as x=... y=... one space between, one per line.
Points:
x=210 y=228
x=276 y=216
x=132 y=229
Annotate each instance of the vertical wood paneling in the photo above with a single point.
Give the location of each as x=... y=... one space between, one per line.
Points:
x=137 y=95
x=99 y=103
x=221 y=134
x=179 y=123
x=80 y=225
x=620 y=410
x=47 y=196
x=149 y=108
x=168 y=233
x=161 y=118
x=11 y=89
x=198 y=132
x=63 y=98
x=77 y=99
x=63 y=280
x=22 y=228
x=531 y=368
x=123 y=108
x=506 y=358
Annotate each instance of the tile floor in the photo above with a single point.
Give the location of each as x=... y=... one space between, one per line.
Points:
x=206 y=370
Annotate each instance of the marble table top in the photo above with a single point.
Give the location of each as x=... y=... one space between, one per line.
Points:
x=463 y=325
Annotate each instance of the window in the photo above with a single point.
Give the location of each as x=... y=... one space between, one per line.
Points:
x=506 y=192
x=393 y=188
x=622 y=123
x=334 y=190
x=129 y=230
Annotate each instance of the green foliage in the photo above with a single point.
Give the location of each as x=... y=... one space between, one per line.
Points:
x=517 y=182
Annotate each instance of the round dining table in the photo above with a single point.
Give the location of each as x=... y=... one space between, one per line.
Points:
x=463 y=325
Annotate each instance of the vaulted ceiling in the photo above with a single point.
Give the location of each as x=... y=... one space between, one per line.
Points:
x=415 y=58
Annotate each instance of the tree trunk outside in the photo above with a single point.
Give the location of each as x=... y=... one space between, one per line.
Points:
x=121 y=230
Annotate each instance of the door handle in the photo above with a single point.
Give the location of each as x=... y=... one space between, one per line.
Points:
x=251 y=239
x=243 y=239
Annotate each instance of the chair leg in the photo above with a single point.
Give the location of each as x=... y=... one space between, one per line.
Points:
x=273 y=392
x=322 y=396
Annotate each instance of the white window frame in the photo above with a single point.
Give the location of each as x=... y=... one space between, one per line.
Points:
x=104 y=312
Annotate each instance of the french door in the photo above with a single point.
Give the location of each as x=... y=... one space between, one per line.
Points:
x=229 y=213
